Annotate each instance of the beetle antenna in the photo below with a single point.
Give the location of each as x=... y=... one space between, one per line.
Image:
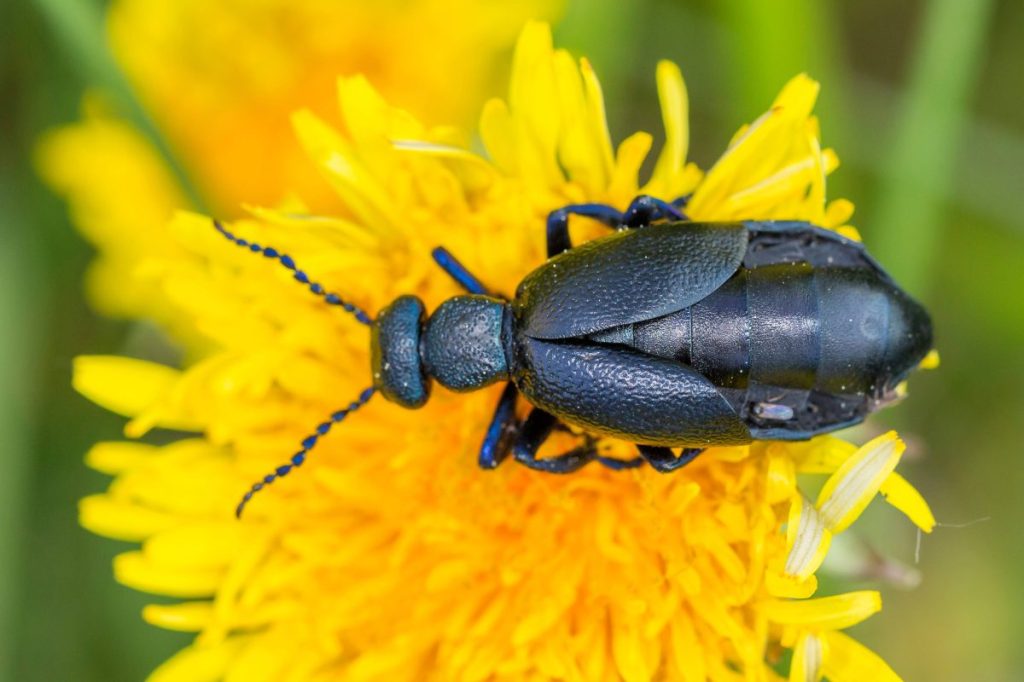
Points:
x=300 y=276
x=307 y=444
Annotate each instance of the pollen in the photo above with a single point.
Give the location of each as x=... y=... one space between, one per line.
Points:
x=391 y=555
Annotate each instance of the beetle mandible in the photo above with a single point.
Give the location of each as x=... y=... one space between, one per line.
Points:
x=667 y=333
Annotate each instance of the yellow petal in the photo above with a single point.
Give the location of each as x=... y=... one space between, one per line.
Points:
x=212 y=545
x=905 y=497
x=579 y=148
x=474 y=172
x=686 y=650
x=338 y=163
x=799 y=95
x=115 y=457
x=198 y=664
x=123 y=385
x=497 y=135
x=781 y=477
x=533 y=102
x=596 y=115
x=850 y=661
x=629 y=158
x=850 y=489
x=121 y=520
x=675 y=113
x=134 y=388
x=628 y=652
x=850 y=232
x=808 y=656
x=780 y=585
x=808 y=539
x=185 y=617
x=825 y=613
x=838 y=213
x=135 y=570
x=930 y=361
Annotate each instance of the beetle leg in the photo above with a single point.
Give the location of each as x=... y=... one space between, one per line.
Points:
x=642 y=211
x=457 y=271
x=502 y=431
x=645 y=209
x=681 y=202
x=610 y=462
x=535 y=431
x=558 y=223
x=662 y=459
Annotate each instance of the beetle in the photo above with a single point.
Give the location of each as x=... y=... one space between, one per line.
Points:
x=667 y=333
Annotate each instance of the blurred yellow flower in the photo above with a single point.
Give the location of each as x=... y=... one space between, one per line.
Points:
x=392 y=556
x=221 y=79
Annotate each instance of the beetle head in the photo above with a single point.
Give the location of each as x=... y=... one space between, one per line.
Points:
x=395 y=353
x=461 y=345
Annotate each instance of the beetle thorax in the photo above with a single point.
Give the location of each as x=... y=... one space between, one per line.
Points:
x=463 y=343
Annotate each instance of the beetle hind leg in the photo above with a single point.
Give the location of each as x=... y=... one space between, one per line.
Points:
x=664 y=461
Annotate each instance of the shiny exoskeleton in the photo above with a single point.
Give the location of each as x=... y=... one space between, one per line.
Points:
x=666 y=333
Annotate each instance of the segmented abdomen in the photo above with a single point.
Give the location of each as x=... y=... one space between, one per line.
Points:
x=793 y=348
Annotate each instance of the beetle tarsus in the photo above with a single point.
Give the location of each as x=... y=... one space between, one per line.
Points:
x=663 y=460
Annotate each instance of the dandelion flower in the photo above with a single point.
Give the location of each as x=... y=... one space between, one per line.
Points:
x=220 y=79
x=392 y=556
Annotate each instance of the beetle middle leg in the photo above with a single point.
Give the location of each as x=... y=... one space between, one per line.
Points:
x=663 y=460
x=558 y=223
x=643 y=210
x=535 y=431
x=646 y=209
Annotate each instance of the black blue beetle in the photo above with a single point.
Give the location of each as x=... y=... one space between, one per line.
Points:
x=667 y=333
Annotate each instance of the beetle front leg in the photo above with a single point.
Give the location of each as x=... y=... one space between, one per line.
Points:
x=535 y=431
x=663 y=460
x=457 y=271
x=502 y=431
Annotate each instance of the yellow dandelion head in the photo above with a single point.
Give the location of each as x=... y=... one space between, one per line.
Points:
x=392 y=556
x=221 y=78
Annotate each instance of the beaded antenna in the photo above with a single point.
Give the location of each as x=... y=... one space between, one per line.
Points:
x=323 y=428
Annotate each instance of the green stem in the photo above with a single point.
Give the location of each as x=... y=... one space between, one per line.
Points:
x=78 y=28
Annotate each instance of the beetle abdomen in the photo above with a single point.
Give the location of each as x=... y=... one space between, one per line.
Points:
x=797 y=347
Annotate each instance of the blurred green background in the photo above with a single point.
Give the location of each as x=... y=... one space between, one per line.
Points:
x=922 y=101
